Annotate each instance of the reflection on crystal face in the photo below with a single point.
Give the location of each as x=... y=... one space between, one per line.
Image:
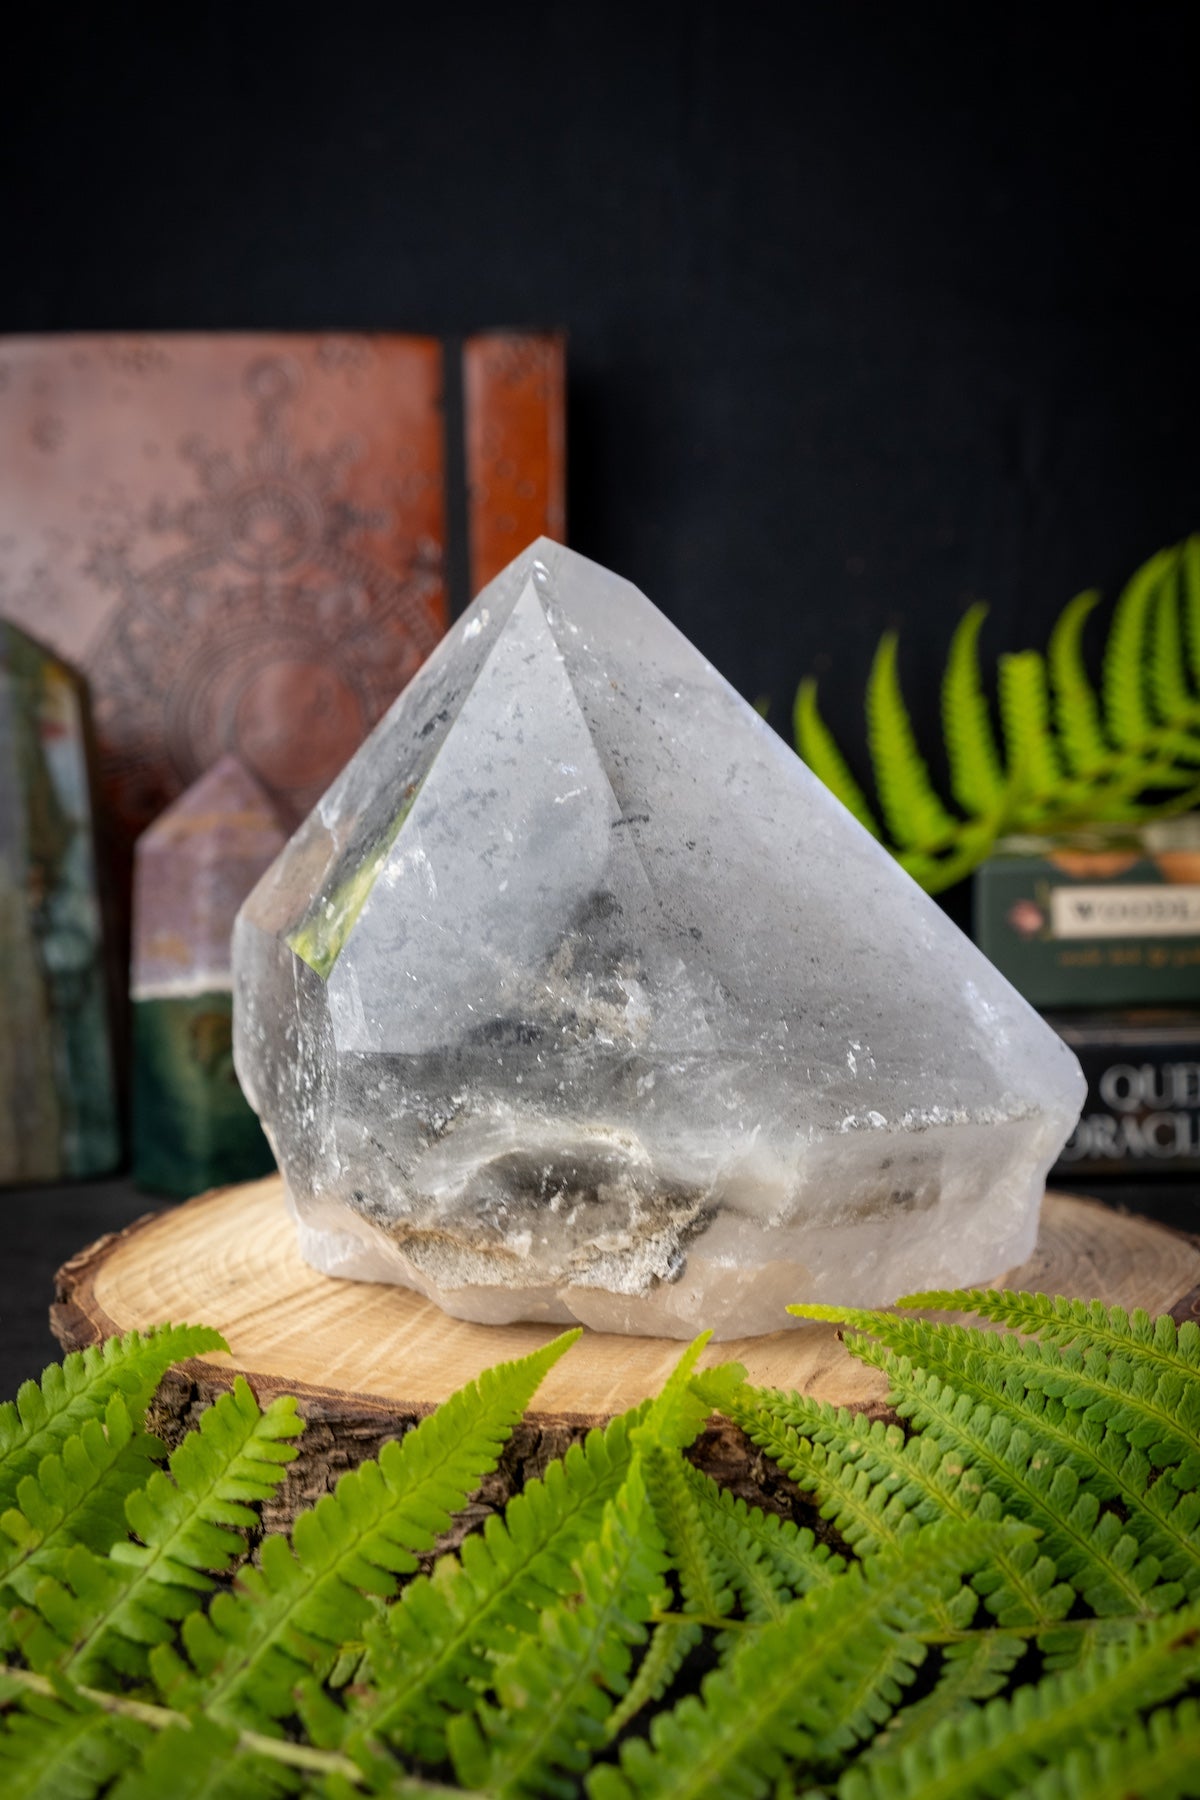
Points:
x=579 y=997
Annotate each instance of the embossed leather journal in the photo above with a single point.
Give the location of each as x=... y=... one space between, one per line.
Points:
x=241 y=539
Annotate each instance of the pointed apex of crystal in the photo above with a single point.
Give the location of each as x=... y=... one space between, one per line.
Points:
x=578 y=996
x=229 y=791
x=193 y=867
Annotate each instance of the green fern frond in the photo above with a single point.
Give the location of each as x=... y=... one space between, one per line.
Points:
x=1154 y=1409
x=1076 y=710
x=433 y=1650
x=202 y=1761
x=1048 y=1470
x=1159 y=1760
x=1110 y=1422
x=137 y=1724
x=1089 y=1546
x=1170 y=695
x=46 y=1413
x=61 y=1746
x=1189 y=594
x=670 y=1644
x=816 y=745
x=1067 y=761
x=555 y=1690
x=970 y=844
x=678 y=1412
x=694 y=1556
x=766 y=1559
x=292 y=1614
x=1115 y=1563
x=1127 y=710
x=995 y=1748
x=977 y=778
x=869 y=1516
x=76 y=1497
x=798 y=1681
x=975 y=1669
x=875 y=1485
x=915 y=815
x=104 y=1612
x=1086 y=1324
x=1029 y=743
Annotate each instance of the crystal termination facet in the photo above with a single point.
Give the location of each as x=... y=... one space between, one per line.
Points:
x=579 y=997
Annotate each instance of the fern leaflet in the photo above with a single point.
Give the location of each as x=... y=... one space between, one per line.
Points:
x=1087 y=1324
x=1169 y=691
x=1189 y=583
x=816 y=745
x=976 y=772
x=666 y=1653
x=61 y=1746
x=1025 y=714
x=1089 y=1547
x=99 y=1618
x=77 y=1495
x=1159 y=1760
x=293 y=1613
x=873 y=1483
x=797 y=1681
x=46 y=1413
x=695 y=1557
x=1156 y=1410
x=1076 y=711
x=1067 y=761
x=201 y=1761
x=556 y=1689
x=991 y=1750
x=1126 y=700
x=1071 y=1413
x=915 y=816
x=434 y=1648
x=138 y=1723
x=767 y=1560
x=1067 y=1406
x=974 y=1669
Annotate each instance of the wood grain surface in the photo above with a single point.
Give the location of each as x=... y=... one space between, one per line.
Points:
x=366 y=1360
x=230 y=1259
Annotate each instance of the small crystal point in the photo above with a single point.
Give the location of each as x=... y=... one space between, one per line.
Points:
x=579 y=997
x=193 y=868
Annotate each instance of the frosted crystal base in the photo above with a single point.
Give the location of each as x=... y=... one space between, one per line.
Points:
x=579 y=997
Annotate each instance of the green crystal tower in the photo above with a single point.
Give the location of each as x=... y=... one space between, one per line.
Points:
x=192 y=1128
x=58 y=1109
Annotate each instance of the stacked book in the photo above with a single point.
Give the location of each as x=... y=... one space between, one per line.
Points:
x=1101 y=932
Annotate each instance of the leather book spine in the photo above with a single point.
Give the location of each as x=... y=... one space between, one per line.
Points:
x=514 y=402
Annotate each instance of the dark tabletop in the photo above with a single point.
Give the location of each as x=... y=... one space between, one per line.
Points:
x=42 y=1227
x=39 y=1229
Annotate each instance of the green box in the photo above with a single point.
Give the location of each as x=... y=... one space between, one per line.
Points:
x=1096 y=919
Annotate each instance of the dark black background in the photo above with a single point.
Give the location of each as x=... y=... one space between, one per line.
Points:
x=873 y=308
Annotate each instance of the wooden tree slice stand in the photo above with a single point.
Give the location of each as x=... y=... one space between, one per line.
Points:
x=366 y=1360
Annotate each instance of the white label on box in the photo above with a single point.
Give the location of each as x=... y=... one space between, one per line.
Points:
x=1116 y=911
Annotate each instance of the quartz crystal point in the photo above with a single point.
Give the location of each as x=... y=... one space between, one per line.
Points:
x=193 y=868
x=579 y=997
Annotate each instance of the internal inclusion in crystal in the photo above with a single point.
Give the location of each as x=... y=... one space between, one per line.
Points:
x=577 y=996
x=319 y=938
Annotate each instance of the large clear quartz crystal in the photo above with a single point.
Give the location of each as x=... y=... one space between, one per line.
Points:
x=579 y=997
